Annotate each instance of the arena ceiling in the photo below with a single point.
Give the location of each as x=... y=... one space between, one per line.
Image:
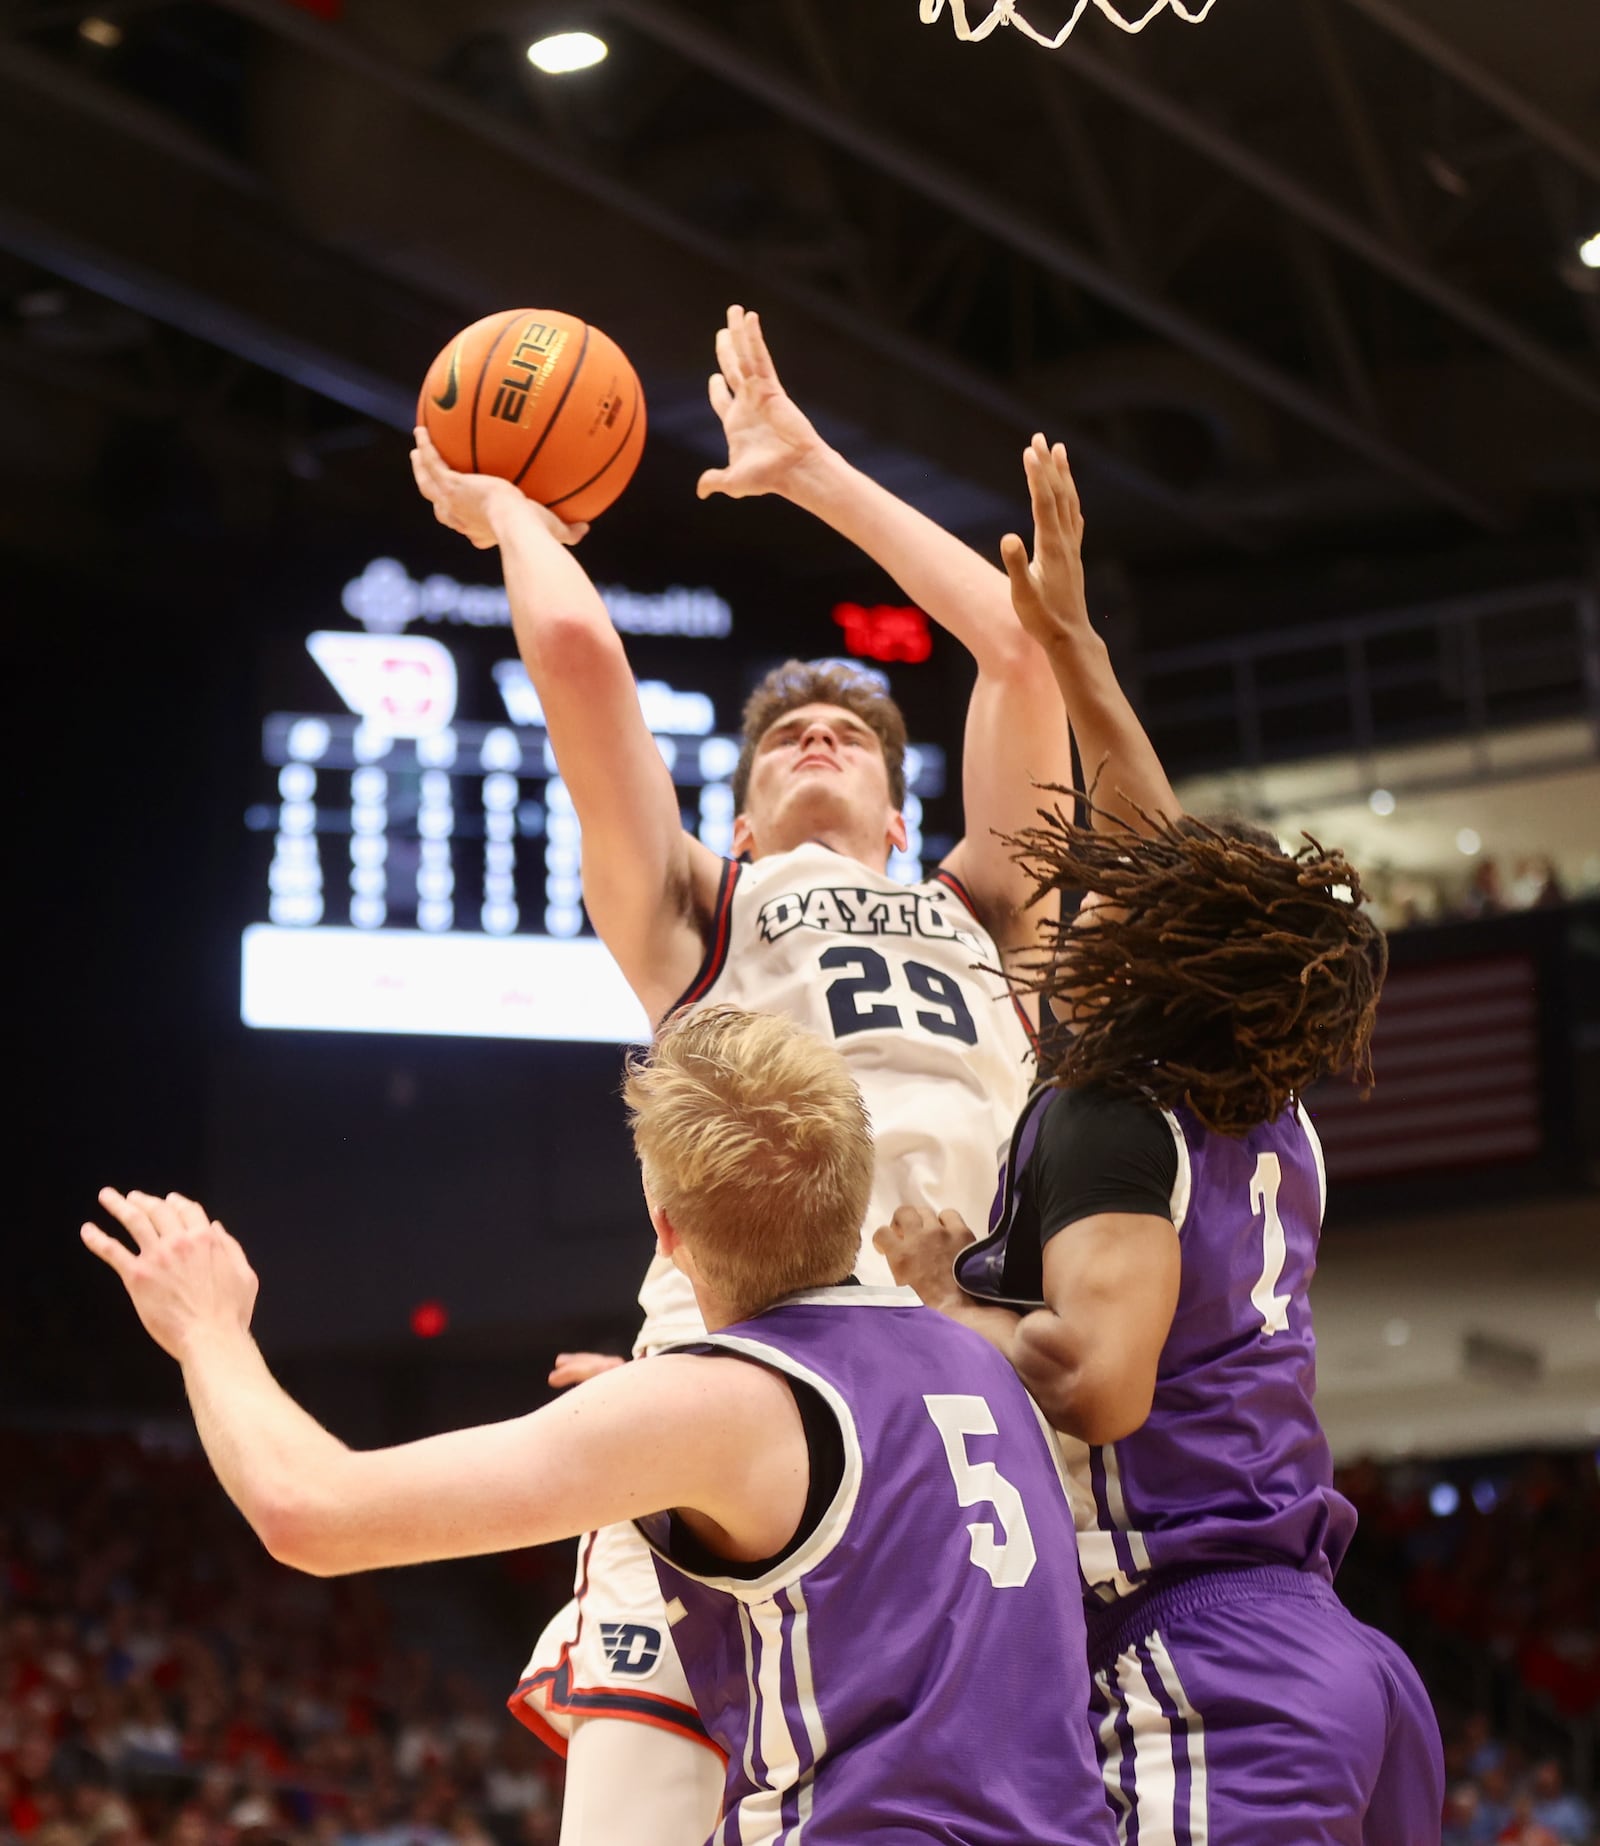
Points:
x=1300 y=287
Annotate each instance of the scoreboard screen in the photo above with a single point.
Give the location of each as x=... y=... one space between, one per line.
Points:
x=421 y=862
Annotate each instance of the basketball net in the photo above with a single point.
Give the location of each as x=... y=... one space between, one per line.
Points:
x=1005 y=14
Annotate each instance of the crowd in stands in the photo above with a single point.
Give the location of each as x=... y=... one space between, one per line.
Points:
x=1503 y=1557
x=1498 y=1796
x=164 y=1683
x=1500 y=1562
x=1404 y=899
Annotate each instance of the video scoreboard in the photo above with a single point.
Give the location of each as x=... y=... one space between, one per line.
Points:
x=423 y=866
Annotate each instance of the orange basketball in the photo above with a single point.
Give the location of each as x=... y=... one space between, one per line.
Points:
x=542 y=399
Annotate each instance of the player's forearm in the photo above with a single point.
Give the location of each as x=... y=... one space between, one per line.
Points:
x=272 y=1457
x=557 y=615
x=964 y=594
x=997 y=1325
x=1112 y=743
x=1074 y=1377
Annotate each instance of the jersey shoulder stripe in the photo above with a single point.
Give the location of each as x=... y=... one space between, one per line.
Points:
x=1314 y=1141
x=717 y=940
x=951 y=883
x=835 y=1520
x=944 y=876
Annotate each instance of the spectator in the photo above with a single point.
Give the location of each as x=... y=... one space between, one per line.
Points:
x=1536 y=884
x=1484 y=897
x=1567 y=1816
x=146 y=1640
x=1494 y=1804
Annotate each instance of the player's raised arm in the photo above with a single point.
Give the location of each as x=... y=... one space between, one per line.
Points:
x=1016 y=731
x=646 y=883
x=717 y=1437
x=1048 y=594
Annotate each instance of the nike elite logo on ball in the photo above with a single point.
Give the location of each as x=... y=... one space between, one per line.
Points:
x=447 y=401
x=542 y=400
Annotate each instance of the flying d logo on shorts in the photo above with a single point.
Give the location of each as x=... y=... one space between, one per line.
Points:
x=631 y=1648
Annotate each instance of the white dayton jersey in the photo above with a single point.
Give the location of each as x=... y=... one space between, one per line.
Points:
x=897 y=977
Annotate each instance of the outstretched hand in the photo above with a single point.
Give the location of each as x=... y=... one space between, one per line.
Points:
x=769 y=436
x=1048 y=592
x=185 y=1274
x=465 y=502
x=573 y=1368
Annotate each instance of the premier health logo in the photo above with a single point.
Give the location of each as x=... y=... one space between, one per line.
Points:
x=385 y=599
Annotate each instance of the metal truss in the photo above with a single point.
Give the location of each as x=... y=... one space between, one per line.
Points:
x=874 y=230
x=945 y=185
x=575 y=166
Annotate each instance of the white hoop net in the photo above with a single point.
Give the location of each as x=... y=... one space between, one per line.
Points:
x=1004 y=13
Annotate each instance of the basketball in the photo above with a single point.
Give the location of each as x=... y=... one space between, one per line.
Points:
x=542 y=399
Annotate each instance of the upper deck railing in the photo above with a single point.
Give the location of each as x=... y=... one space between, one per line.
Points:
x=1461 y=667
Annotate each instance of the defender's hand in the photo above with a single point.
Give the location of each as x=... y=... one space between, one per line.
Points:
x=921 y=1248
x=573 y=1368
x=185 y=1274
x=1048 y=593
x=769 y=436
x=466 y=502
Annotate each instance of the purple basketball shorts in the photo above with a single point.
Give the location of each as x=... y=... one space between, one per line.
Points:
x=1250 y=1708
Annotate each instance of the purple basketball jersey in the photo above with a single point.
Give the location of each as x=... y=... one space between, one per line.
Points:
x=1231 y=1467
x=915 y=1671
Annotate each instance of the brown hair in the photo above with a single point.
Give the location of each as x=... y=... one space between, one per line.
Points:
x=1230 y=978
x=823 y=682
x=753 y=1139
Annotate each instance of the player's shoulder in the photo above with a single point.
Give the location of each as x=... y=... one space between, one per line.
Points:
x=701 y=1378
x=944 y=884
x=1083 y=1117
x=1100 y=1149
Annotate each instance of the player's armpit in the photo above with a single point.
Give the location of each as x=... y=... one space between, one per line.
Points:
x=717 y=1436
x=1090 y=1357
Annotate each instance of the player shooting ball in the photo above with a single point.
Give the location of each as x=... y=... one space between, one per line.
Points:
x=1148 y=1279
x=809 y=922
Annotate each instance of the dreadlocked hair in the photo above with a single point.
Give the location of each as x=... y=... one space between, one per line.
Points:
x=1228 y=974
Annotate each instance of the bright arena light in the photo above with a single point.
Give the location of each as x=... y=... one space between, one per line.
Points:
x=1443 y=1499
x=566 y=51
x=1468 y=841
x=1589 y=253
x=1381 y=801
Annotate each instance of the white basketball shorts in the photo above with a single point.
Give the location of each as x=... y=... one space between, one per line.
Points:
x=609 y=1653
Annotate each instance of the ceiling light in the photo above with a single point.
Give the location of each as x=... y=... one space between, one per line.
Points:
x=566 y=51
x=1397 y=1332
x=1381 y=802
x=42 y=304
x=105 y=33
x=1589 y=252
x=1444 y=1497
x=1469 y=841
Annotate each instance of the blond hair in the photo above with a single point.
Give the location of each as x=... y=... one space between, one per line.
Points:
x=856 y=690
x=753 y=1139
